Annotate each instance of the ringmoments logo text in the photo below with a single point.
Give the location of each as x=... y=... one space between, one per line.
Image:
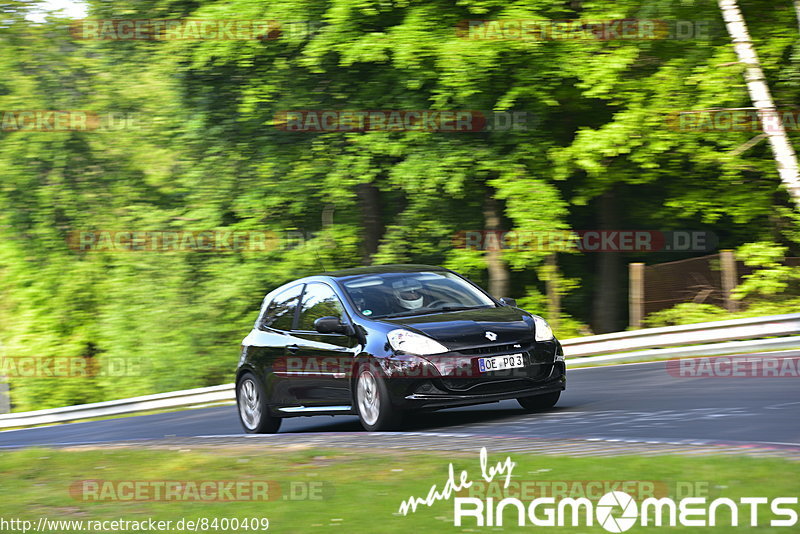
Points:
x=614 y=511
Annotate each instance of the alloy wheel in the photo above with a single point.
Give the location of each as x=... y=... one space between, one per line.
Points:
x=249 y=403
x=369 y=402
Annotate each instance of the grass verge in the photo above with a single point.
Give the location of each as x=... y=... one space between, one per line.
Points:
x=355 y=491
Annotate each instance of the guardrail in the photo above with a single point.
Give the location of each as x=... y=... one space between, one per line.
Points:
x=186 y=398
x=701 y=339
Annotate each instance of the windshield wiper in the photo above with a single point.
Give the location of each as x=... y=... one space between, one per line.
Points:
x=401 y=314
x=425 y=311
x=459 y=308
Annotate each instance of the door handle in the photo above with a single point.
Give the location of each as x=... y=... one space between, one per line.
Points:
x=292 y=348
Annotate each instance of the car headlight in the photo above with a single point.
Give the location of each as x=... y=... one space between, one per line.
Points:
x=541 y=330
x=411 y=343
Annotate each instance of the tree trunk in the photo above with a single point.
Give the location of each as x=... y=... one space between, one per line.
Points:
x=797 y=10
x=369 y=198
x=498 y=270
x=553 y=291
x=605 y=316
x=762 y=99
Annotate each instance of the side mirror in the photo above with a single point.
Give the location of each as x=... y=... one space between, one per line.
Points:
x=507 y=301
x=332 y=325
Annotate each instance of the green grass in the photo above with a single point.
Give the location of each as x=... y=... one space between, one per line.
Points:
x=360 y=489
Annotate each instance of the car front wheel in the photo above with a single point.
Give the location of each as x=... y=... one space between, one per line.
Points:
x=253 y=410
x=539 y=403
x=373 y=403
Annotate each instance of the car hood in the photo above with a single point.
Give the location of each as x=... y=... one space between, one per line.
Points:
x=469 y=328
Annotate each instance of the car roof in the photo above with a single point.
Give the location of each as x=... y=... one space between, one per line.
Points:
x=383 y=269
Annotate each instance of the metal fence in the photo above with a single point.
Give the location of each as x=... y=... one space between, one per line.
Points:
x=692 y=280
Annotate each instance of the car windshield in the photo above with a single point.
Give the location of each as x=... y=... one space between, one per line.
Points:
x=398 y=294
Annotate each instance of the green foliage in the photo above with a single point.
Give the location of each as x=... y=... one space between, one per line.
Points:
x=566 y=327
x=533 y=300
x=569 y=327
x=687 y=313
x=771 y=277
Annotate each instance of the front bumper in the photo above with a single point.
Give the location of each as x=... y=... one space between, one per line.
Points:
x=455 y=380
x=431 y=397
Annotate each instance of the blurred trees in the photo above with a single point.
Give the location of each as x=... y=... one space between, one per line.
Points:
x=205 y=154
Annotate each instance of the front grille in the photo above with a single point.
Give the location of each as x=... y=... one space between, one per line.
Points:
x=494 y=349
x=486 y=387
x=499 y=381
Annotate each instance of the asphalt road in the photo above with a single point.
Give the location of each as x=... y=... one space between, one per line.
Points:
x=626 y=402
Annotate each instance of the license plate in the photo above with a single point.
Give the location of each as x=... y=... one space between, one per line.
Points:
x=498 y=363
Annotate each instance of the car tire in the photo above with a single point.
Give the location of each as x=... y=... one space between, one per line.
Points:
x=372 y=401
x=253 y=408
x=539 y=403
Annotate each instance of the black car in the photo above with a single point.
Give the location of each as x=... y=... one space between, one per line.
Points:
x=383 y=341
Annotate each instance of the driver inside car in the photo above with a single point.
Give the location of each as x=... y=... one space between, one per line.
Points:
x=408 y=295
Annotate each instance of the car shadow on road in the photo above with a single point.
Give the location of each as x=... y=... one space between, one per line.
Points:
x=448 y=419
x=433 y=421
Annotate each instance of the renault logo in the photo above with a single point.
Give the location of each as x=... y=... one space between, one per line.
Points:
x=491 y=336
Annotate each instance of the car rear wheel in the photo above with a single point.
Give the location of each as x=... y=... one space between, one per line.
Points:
x=539 y=403
x=253 y=410
x=373 y=403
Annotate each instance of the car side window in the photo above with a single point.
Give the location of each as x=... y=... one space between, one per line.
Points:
x=319 y=300
x=280 y=312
